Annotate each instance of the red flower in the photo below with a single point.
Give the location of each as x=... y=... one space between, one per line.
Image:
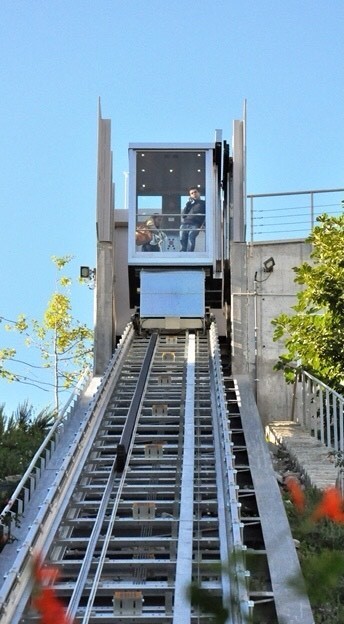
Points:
x=297 y=494
x=43 y=574
x=44 y=599
x=51 y=609
x=330 y=506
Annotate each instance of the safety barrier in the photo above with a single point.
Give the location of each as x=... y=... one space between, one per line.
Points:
x=28 y=483
x=290 y=215
x=319 y=410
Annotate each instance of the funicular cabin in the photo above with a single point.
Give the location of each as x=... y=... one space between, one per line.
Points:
x=175 y=231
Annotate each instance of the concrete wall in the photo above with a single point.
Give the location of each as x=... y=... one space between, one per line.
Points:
x=257 y=298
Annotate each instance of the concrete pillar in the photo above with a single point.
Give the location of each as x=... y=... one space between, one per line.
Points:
x=105 y=322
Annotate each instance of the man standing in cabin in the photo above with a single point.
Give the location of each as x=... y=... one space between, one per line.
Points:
x=193 y=218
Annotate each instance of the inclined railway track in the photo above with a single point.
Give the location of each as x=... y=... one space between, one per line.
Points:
x=158 y=495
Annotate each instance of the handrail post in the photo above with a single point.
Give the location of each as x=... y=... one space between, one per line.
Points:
x=312 y=210
x=292 y=416
x=251 y=209
x=303 y=399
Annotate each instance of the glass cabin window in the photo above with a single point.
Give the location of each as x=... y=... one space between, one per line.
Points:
x=170 y=201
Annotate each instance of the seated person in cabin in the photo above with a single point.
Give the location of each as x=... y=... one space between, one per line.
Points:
x=156 y=235
x=193 y=218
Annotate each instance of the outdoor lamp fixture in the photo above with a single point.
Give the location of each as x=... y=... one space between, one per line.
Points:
x=88 y=274
x=269 y=265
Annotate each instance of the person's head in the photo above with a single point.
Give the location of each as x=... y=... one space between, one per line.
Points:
x=157 y=218
x=194 y=192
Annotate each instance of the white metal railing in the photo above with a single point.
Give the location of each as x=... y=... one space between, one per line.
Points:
x=29 y=481
x=320 y=410
x=228 y=490
x=289 y=215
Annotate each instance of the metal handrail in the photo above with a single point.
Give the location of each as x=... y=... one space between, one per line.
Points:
x=282 y=221
x=227 y=476
x=321 y=410
x=29 y=481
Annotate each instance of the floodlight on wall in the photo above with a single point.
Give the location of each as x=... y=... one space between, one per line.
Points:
x=269 y=265
x=88 y=275
x=84 y=272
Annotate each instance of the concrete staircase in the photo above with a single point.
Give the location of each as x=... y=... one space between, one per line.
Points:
x=310 y=455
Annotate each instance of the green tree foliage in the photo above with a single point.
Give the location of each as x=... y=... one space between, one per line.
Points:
x=314 y=333
x=64 y=344
x=21 y=434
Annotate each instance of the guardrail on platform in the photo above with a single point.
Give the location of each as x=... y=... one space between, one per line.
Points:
x=291 y=215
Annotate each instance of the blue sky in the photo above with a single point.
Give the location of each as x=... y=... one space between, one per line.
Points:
x=165 y=71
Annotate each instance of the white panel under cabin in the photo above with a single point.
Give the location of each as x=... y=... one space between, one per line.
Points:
x=172 y=294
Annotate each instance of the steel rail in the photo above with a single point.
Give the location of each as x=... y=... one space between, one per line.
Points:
x=182 y=607
x=123 y=446
x=119 y=464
